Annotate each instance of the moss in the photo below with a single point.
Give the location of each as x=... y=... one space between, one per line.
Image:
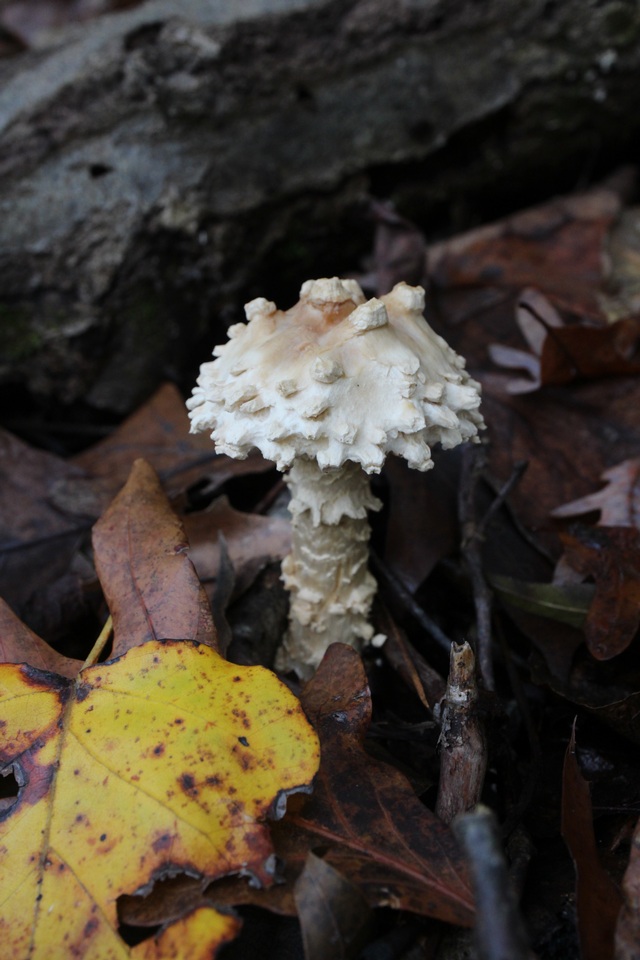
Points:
x=18 y=339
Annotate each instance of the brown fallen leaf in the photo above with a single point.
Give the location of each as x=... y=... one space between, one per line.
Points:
x=568 y=436
x=253 y=542
x=581 y=352
x=159 y=432
x=409 y=663
x=399 y=252
x=168 y=900
x=535 y=316
x=333 y=912
x=598 y=900
x=141 y=555
x=365 y=814
x=561 y=353
x=422 y=527
x=611 y=555
x=19 y=644
x=556 y=247
x=618 y=503
x=37 y=540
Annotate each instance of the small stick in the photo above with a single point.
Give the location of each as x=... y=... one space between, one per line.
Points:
x=99 y=645
x=395 y=586
x=463 y=751
x=501 y=495
x=499 y=930
x=473 y=463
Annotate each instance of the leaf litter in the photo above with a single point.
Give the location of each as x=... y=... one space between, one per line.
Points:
x=163 y=760
x=533 y=293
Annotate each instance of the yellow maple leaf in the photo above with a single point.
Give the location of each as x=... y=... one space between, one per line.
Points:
x=163 y=760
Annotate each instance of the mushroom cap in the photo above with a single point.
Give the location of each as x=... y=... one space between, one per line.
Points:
x=336 y=378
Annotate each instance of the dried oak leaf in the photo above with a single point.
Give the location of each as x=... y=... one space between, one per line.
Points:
x=618 y=503
x=422 y=526
x=37 y=540
x=580 y=352
x=535 y=316
x=334 y=915
x=557 y=247
x=560 y=354
x=252 y=541
x=159 y=432
x=598 y=900
x=568 y=436
x=365 y=814
x=19 y=644
x=611 y=555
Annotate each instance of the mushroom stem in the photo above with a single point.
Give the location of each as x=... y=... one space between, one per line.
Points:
x=326 y=572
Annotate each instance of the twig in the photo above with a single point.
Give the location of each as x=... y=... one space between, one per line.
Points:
x=100 y=644
x=473 y=531
x=499 y=930
x=463 y=751
x=473 y=463
x=501 y=495
x=395 y=586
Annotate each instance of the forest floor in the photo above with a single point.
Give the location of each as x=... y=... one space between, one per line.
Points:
x=526 y=546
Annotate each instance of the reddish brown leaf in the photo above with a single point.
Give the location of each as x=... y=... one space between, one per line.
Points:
x=556 y=247
x=423 y=521
x=399 y=250
x=535 y=316
x=334 y=913
x=252 y=541
x=159 y=432
x=618 y=503
x=561 y=354
x=580 y=352
x=168 y=900
x=37 y=541
x=566 y=437
x=365 y=813
x=18 y=644
x=150 y=585
x=611 y=555
x=598 y=899
x=409 y=663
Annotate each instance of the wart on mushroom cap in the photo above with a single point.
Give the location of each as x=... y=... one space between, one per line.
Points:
x=334 y=381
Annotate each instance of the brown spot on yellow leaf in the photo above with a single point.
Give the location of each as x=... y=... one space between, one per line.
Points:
x=162 y=842
x=188 y=784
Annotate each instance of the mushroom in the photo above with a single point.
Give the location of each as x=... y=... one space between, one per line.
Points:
x=327 y=389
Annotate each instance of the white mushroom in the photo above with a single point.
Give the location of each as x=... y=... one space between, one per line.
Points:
x=327 y=389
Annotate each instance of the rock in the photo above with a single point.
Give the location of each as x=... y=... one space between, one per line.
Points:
x=156 y=168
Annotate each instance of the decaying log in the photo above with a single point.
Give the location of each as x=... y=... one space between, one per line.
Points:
x=158 y=164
